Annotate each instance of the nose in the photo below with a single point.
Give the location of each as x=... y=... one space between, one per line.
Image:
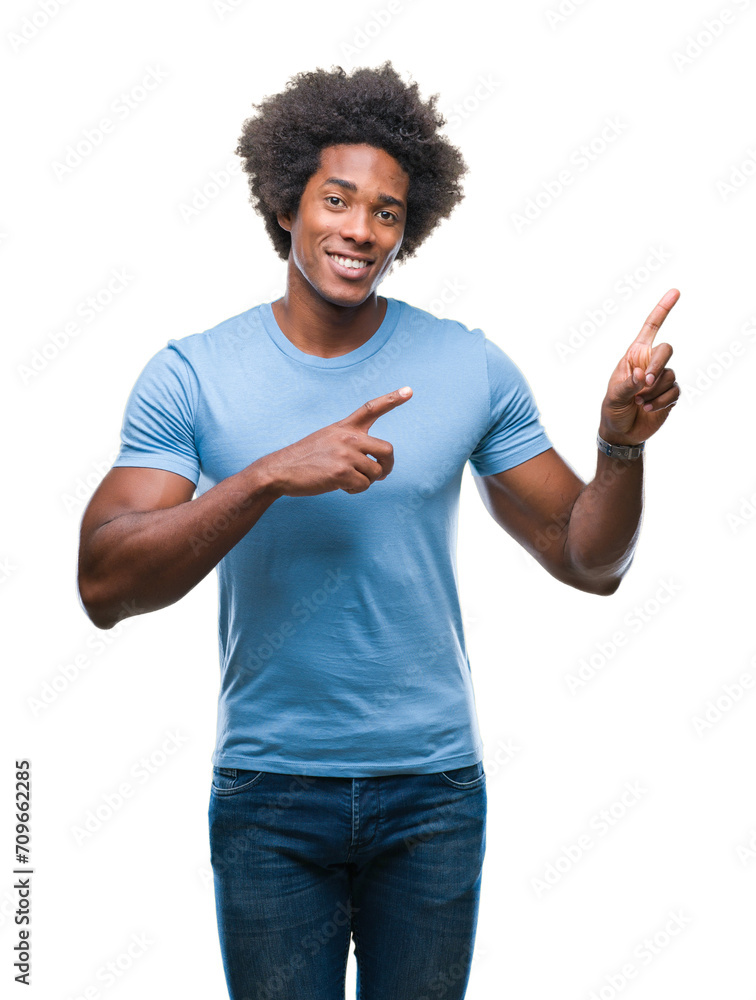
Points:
x=357 y=225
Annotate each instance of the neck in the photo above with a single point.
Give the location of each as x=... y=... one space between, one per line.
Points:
x=323 y=328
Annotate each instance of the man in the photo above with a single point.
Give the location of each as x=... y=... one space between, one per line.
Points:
x=348 y=792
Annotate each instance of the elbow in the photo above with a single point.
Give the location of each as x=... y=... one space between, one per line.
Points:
x=591 y=584
x=89 y=589
x=95 y=607
x=101 y=623
x=607 y=587
x=94 y=613
x=603 y=581
x=101 y=594
x=106 y=609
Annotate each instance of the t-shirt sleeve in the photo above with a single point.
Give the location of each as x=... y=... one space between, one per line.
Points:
x=158 y=422
x=515 y=433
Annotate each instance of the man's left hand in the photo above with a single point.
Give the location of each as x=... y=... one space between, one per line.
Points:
x=642 y=391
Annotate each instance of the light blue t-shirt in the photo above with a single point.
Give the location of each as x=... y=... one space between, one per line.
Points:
x=342 y=649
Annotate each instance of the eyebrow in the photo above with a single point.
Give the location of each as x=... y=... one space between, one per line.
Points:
x=386 y=199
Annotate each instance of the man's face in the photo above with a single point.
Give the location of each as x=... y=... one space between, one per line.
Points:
x=350 y=222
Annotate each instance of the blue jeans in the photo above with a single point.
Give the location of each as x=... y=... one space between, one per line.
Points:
x=301 y=864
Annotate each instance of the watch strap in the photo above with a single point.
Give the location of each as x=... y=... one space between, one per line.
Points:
x=625 y=451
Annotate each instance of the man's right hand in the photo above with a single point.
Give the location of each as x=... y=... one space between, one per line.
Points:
x=337 y=456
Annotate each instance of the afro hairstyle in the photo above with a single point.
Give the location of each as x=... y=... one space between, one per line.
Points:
x=280 y=147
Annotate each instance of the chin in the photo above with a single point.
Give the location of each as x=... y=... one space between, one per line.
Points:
x=340 y=296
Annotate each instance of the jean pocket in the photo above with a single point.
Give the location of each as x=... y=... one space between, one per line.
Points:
x=469 y=776
x=230 y=780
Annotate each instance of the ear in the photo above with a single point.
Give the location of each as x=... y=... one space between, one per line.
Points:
x=284 y=221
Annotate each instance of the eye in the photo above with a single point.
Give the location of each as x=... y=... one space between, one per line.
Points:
x=390 y=215
x=333 y=198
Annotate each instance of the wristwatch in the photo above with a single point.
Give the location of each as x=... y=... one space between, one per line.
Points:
x=626 y=451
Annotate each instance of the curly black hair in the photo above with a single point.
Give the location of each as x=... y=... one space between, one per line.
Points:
x=280 y=147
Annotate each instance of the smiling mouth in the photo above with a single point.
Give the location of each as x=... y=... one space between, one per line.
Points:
x=351 y=263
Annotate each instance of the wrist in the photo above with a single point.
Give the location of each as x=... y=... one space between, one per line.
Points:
x=627 y=451
x=262 y=479
x=614 y=437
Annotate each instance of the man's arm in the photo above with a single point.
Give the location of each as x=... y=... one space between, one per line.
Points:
x=145 y=542
x=585 y=535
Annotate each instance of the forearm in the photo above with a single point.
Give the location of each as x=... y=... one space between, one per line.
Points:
x=141 y=562
x=604 y=523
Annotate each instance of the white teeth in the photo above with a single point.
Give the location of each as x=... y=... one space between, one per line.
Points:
x=349 y=262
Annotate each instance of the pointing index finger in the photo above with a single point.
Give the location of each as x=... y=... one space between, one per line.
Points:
x=657 y=316
x=365 y=416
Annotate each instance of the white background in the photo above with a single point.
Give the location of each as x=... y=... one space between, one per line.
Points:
x=530 y=88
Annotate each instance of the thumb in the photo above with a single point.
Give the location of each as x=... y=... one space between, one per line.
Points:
x=365 y=416
x=626 y=390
